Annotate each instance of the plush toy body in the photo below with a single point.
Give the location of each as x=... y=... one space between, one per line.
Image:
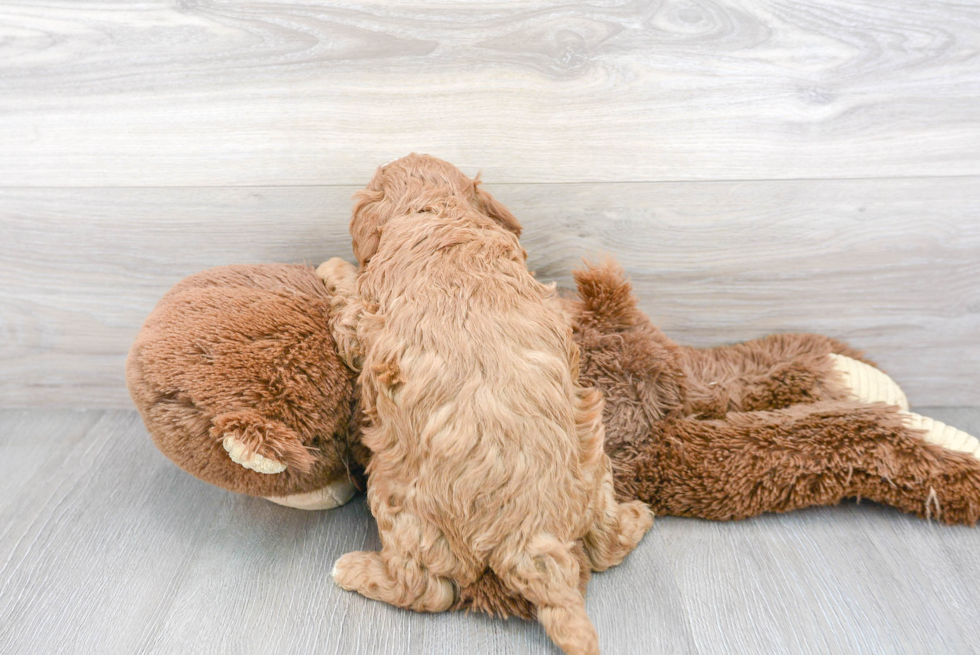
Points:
x=235 y=362
x=771 y=425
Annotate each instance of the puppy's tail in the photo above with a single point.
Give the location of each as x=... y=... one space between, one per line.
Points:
x=547 y=573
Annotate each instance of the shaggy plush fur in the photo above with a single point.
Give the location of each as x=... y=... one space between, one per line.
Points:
x=486 y=453
x=245 y=351
x=773 y=408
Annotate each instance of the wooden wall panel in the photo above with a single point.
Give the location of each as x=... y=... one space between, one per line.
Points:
x=890 y=265
x=196 y=93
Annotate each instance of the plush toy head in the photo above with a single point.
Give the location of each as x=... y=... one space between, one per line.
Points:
x=239 y=383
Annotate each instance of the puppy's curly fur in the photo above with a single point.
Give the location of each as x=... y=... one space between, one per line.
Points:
x=486 y=451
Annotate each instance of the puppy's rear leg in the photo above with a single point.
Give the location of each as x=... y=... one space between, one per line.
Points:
x=546 y=572
x=616 y=528
x=396 y=579
x=404 y=573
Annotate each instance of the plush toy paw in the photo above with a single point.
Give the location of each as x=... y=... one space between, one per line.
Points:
x=937 y=432
x=333 y=495
x=869 y=384
x=261 y=444
x=337 y=274
x=240 y=454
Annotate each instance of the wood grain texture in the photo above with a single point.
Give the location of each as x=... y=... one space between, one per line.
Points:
x=106 y=547
x=892 y=266
x=198 y=92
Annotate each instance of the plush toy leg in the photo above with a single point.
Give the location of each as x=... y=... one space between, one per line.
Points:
x=775 y=372
x=867 y=383
x=780 y=371
x=818 y=454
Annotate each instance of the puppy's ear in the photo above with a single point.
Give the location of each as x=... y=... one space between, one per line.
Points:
x=365 y=224
x=495 y=209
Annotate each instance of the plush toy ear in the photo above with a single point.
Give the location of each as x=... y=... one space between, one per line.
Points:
x=495 y=209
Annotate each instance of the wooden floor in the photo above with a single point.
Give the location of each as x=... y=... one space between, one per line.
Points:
x=106 y=547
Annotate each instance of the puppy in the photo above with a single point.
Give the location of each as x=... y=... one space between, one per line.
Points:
x=486 y=453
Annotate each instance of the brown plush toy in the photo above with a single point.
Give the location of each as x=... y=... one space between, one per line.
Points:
x=240 y=384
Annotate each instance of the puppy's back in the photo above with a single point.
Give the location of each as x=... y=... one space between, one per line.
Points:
x=475 y=368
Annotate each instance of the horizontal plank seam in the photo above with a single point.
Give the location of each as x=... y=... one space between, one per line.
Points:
x=760 y=180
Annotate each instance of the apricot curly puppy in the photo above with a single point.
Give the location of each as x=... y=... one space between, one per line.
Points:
x=486 y=451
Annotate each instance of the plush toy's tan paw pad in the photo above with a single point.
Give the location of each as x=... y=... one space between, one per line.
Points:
x=261 y=444
x=868 y=384
x=333 y=495
x=937 y=432
x=250 y=460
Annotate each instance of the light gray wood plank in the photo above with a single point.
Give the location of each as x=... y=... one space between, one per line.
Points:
x=892 y=266
x=271 y=93
x=110 y=548
x=85 y=552
x=27 y=438
x=851 y=579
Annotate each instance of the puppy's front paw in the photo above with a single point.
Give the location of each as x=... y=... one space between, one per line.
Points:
x=240 y=454
x=337 y=274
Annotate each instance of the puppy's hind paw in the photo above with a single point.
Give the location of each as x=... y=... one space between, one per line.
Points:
x=636 y=518
x=351 y=568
